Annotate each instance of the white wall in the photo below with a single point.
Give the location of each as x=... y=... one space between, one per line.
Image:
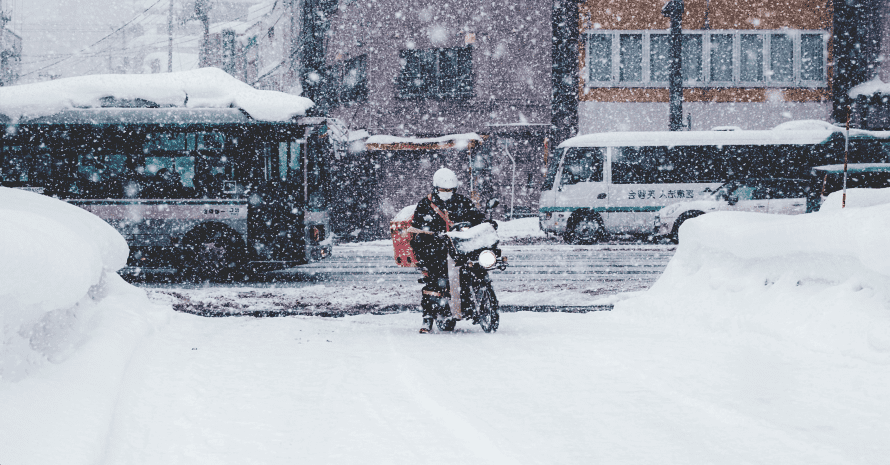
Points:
x=612 y=116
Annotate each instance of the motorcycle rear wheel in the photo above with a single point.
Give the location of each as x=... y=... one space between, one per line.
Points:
x=487 y=309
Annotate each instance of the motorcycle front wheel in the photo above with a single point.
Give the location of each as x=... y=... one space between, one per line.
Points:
x=446 y=325
x=487 y=309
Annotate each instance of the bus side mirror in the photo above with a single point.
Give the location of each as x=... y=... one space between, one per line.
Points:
x=492 y=204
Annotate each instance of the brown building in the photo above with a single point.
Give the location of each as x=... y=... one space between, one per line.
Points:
x=747 y=63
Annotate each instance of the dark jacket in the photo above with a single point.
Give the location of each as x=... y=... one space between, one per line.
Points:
x=459 y=209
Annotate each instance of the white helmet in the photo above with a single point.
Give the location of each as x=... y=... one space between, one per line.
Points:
x=445 y=178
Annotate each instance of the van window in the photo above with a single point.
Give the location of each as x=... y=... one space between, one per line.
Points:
x=582 y=164
x=657 y=165
x=641 y=165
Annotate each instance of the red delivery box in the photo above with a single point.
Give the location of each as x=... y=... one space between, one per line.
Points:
x=401 y=238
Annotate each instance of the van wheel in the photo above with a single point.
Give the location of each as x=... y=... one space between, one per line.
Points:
x=585 y=228
x=212 y=252
x=675 y=233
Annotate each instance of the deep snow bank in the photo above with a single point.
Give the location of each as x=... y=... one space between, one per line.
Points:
x=819 y=280
x=68 y=325
x=856 y=198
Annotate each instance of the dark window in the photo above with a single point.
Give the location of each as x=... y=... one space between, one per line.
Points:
x=781 y=57
x=811 y=57
x=436 y=73
x=657 y=165
x=751 y=58
x=582 y=164
x=600 y=57
x=631 y=65
x=354 y=84
x=721 y=57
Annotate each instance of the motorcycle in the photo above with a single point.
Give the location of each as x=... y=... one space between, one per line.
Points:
x=472 y=252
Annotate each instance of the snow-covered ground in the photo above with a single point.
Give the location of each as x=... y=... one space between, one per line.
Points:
x=765 y=341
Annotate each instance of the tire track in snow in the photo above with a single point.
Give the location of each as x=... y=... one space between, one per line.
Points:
x=464 y=432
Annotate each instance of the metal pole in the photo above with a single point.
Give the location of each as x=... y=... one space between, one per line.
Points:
x=673 y=9
x=512 y=181
x=170 y=39
x=846 y=157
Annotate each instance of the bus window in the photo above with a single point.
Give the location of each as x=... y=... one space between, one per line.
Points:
x=582 y=164
x=165 y=142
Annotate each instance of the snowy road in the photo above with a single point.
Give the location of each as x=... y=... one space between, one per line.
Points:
x=547 y=388
x=361 y=278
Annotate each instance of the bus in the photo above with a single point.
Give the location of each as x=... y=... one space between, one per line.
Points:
x=614 y=183
x=211 y=193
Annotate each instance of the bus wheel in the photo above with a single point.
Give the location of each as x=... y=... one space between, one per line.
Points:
x=585 y=228
x=675 y=233
x=212 y=252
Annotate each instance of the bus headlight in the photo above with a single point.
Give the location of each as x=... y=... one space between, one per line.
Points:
x=487 y=259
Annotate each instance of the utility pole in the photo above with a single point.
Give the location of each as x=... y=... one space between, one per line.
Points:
x=202 y=7
x=314 y=25
x=564 y=70
x=170 y=39
x=673 y=9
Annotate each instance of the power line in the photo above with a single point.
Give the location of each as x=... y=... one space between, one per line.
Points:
x=96 y=42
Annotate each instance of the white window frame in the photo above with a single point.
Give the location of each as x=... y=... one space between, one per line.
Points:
x=766 y=34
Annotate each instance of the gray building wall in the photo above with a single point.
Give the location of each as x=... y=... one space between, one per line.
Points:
x=510 y=103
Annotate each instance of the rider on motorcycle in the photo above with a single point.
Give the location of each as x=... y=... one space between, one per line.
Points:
x=437 y=213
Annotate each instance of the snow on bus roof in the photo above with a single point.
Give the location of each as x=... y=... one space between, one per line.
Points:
x=201 y=88
x=803 y=132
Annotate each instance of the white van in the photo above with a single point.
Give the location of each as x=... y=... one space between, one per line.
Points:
x=614 y=183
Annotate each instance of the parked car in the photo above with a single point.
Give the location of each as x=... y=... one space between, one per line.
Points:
x=830 y=178
x=780 y=196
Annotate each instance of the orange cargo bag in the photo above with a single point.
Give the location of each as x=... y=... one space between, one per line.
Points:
x=401 y=238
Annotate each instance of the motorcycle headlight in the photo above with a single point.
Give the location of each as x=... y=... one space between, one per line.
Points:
x=487 y=259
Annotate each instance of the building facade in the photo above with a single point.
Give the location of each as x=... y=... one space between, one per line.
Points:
x=430 y=69
x=745 y=63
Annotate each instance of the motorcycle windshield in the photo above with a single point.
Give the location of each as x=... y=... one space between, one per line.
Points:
x=481 y=236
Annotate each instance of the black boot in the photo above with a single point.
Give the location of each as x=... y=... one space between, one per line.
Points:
x=428 y=304
x=427 y=325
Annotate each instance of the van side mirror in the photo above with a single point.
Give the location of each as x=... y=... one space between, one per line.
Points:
x=492 y=204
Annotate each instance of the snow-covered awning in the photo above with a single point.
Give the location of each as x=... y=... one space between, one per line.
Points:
x=201 y=88
x=873 y=87
x=452 y=141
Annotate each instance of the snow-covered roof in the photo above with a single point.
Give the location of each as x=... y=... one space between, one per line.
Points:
x=855 y=168
x=201 y=88
x=459 y=141
x=803 y=132
x=418 y=140
x=875 y=86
